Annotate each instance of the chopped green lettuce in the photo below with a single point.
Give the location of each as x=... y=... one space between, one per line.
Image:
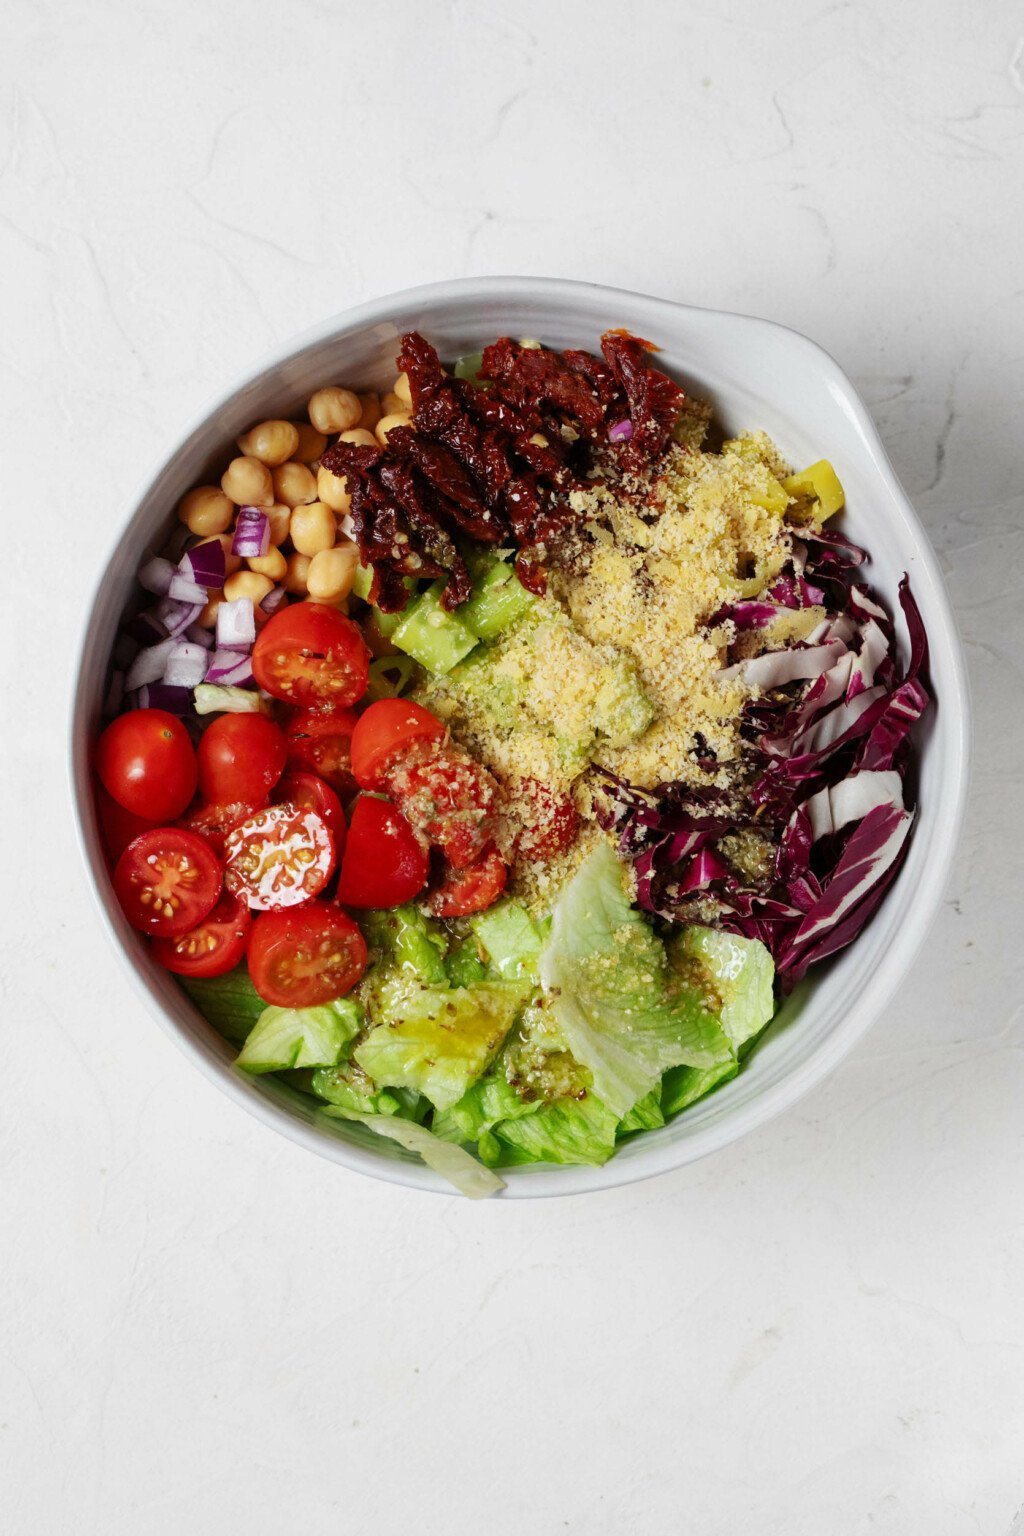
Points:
x=463 y=963
x=510 y=939
x=461 y=1170
x=301 y=1037
x=230 y=1003
x=565 y=1131
x=624 y=1013
x=481 y=1107
x=437 y=1041
x=646 y=1114
x=405 y=937
x=347 y=1085
x=736 y=975
x=682 y=1086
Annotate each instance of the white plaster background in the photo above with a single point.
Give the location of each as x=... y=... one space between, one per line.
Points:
x=203 y=1329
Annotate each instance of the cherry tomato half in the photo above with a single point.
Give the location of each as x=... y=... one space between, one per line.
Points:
x=279 y=858
x=214 y=822
x=309 y=654
x=167 y=881
x=320 y=741
x=385 y=730
x=118 y=827
x=310 y=955
x=241 y=757
x=550 y=822
x=384 y=862
x=461 y=891
x=214 y=946
x=145 y=759
x=310 y=793
x=447 y=796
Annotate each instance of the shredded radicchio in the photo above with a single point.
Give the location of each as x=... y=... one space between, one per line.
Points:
x=498 y=464
x=827 y=755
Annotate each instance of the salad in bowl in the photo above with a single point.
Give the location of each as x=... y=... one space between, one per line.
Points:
x=489 y=758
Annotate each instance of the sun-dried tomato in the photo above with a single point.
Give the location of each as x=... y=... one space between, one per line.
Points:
x=497 y=465
x=654 y=399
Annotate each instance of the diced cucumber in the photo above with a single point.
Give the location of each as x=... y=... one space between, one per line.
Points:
x=435 y=638
x=362 y=582
x=469 y=368
x=389 y=676
x=622 y=711
x=499 y=598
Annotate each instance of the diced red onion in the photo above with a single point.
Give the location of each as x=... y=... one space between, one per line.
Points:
x=184 y=590
x=204 y=564
x=115 y=695
x=148 y=666
x=125 y=651
x=252 y=533
x=147 y=628
x=273 y=600
x=201 y=636
x=186 y=665
x=236 y=625
x=178 y=541
x=231 y=669
x=620 y=431
x=176 y=701
x=177 y=617
x=156 y=576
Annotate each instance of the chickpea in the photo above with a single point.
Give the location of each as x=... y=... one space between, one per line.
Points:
x=371 y=410
x=313 y=528
x=311 y=443
x=271 y=441
x=393 y=405
x=332 y=572
x=247 y=584
x=332 y=490
x=298 y=570
x=388 y=423
x=403 y=389
x=334 y=410
x=248 y=483
x=358 y=435
x=294 y=483
x=206 y=511
x=272 y=564
x=279 y=517
x=231 y=562
x=208 y=618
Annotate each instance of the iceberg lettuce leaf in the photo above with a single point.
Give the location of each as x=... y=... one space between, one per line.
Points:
x=461 y=1170
x=439 y=1041
x=565 y=1131
x=736 y=975
x=301 y=1037
x=626 y=1015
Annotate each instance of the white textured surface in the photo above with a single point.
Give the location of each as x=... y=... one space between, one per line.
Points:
x=206 y=1330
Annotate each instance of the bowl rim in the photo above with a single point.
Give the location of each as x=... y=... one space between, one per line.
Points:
x=879 y=987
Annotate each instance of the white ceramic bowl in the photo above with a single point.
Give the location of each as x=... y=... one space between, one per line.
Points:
x=757 y=375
